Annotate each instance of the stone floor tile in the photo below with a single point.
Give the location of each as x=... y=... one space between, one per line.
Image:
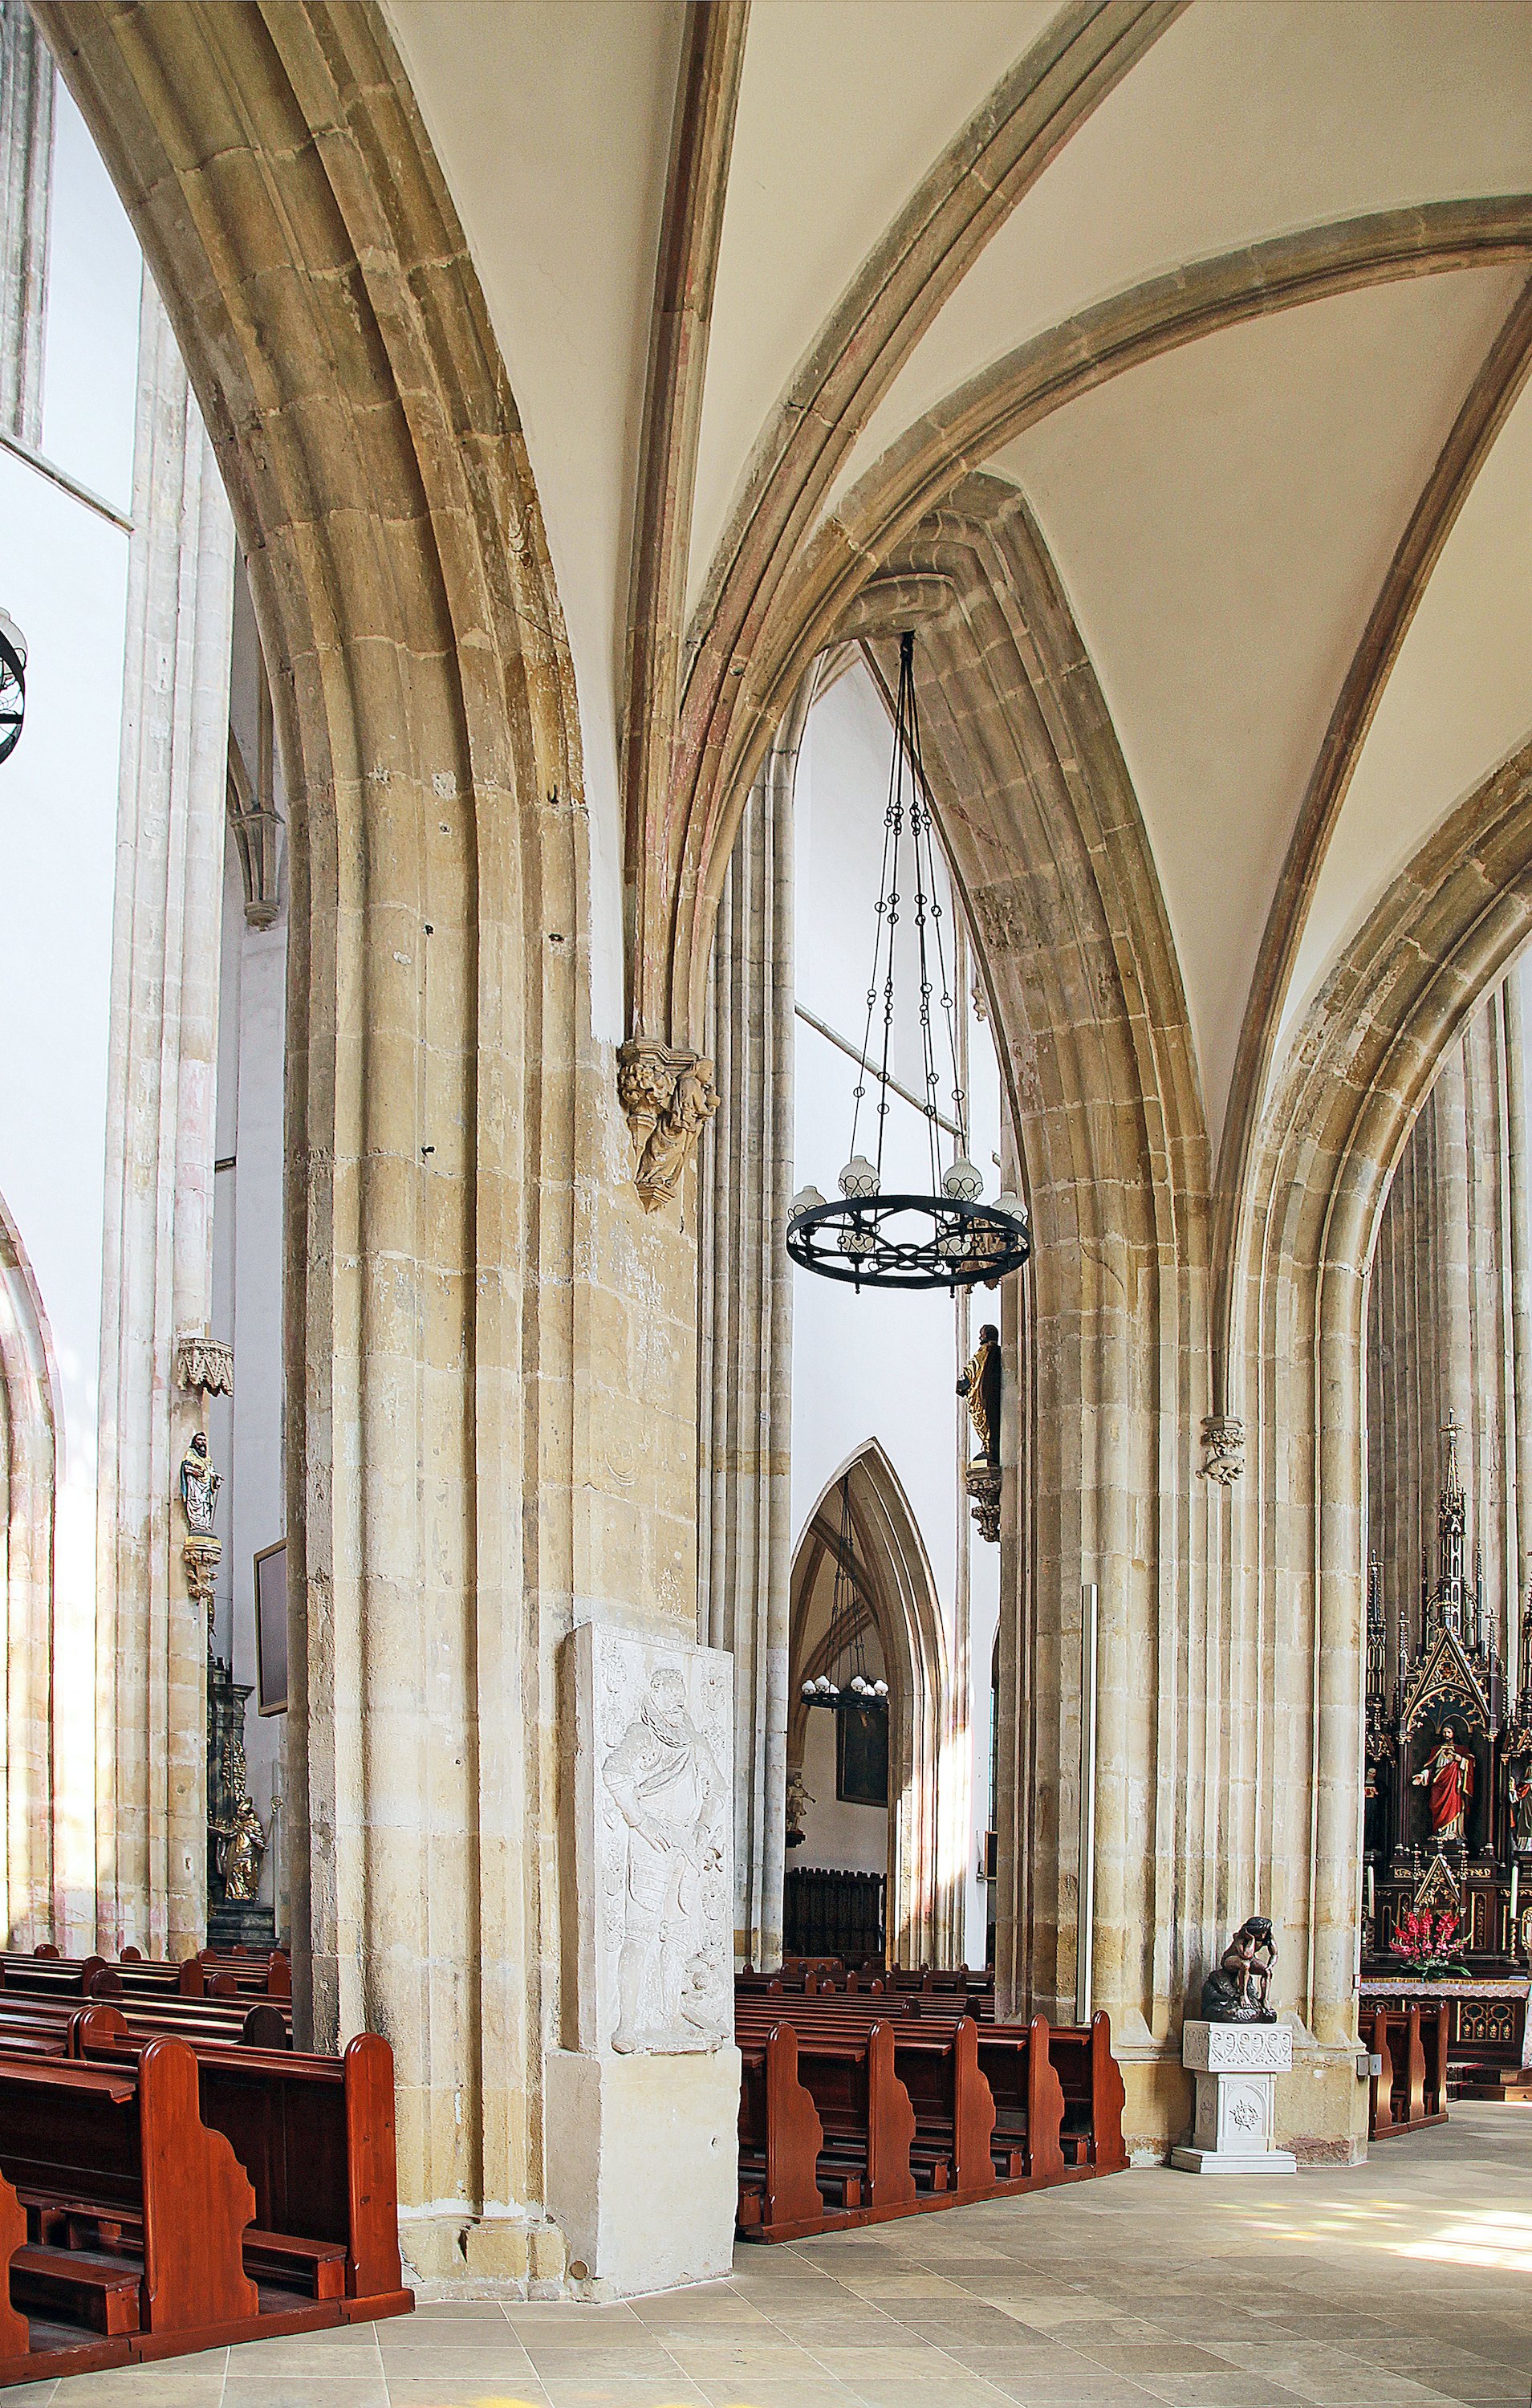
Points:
x=409 y=2392
x=142 y=2386
x=305 y=2391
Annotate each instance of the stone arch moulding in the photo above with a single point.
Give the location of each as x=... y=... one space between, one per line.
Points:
x=761 y=624
x=926 y=1868
x=1327 y=1146
x=298 y=228
x=31 y=1445
x=1061 y=893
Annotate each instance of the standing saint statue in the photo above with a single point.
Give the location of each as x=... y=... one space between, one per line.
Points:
x=980 y=1386
x=1448 y=1772
x=1519 y=1791
x=199 y=1487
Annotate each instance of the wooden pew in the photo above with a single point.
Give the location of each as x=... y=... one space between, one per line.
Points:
x=115 y=2150
x=862 y=2168
x=1410 y=2090
x=1093 y=2098
x=315 y=2137
x=781 y=2137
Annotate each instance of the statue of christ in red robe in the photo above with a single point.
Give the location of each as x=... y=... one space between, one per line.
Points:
x=1450 y=1774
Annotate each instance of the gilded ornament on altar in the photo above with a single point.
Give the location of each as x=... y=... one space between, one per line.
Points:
x=240 y=1835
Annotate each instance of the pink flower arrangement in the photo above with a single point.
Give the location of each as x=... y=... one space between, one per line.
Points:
x=1425 y=1940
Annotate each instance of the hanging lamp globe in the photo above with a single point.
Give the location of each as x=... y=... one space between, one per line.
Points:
x=13 y=684
x=947 y=1236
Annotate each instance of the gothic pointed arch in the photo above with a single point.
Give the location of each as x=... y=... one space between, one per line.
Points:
x=1340 y=1114
x=295 y=220
x=898 y=1591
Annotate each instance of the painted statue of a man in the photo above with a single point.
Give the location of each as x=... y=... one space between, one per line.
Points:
x=1447 y=1777
x=980 y=1386
x=199 y=1487
x=1520 y=1790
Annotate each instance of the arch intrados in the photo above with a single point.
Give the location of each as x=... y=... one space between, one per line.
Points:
x=27 y=1336
x=847 y=551
x=1375 y=1038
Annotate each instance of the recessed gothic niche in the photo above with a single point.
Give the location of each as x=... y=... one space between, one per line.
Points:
x=1449 y=1527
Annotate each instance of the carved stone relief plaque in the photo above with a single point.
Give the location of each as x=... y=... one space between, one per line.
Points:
x=652 y=1772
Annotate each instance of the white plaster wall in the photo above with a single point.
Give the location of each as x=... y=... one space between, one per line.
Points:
x=881 y=1367
x=64 y=579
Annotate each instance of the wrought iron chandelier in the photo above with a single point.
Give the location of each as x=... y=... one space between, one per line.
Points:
x=13 y=684
x=851 y=1690
x=949 y=1238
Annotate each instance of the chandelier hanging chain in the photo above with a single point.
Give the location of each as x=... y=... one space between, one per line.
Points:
x=908 y=739
x=949 y=1237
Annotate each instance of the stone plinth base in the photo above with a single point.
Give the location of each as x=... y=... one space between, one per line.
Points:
x=1236 y=2066
x=643 y=2168
x=241 y=1923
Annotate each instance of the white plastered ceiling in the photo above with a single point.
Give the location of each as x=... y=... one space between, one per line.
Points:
x=1221 y=519
x=1241 y=123
x=1458 y=701
x=843 y=107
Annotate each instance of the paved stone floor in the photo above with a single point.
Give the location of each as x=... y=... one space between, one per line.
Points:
x=1405 y=2281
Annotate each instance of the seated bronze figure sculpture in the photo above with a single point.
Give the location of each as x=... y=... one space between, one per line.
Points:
x=1237 y=1992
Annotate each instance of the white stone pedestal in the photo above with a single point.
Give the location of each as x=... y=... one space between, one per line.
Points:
x=1235 y=2067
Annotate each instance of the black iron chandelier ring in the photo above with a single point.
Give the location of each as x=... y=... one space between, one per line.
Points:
x=915 y=1241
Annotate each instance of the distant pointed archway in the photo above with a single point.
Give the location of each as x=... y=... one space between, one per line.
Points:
x=924 y=1864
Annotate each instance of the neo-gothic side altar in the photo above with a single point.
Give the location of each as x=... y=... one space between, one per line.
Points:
x=1448 y=1795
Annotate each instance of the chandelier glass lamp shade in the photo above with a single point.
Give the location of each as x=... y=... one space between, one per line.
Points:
x=844 y=1683
x=946 y=1236
x=13 y=684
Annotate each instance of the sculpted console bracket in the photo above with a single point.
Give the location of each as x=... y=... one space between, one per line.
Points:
x=1223 y=1448
x=668 y=1097
x=652 y=1743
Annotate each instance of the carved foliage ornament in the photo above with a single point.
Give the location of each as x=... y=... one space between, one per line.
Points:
x=668 y=1097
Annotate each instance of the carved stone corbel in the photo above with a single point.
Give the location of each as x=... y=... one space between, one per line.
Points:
x=1224 y=1445
x=202 y=1557
x=667 y=1095
x=982 y=1481
x=204 y=1364
x=257 y=826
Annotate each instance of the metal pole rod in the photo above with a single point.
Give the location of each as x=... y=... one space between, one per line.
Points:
x=1085 y=1940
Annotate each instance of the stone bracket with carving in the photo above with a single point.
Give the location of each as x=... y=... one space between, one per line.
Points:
x=202 y=1557
x=1223 y=1448
x=205 y=1365
x=982 y=1482
x=667 y=1095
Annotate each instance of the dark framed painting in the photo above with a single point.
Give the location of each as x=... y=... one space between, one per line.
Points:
x=271 y=1629
x=861 y=1756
